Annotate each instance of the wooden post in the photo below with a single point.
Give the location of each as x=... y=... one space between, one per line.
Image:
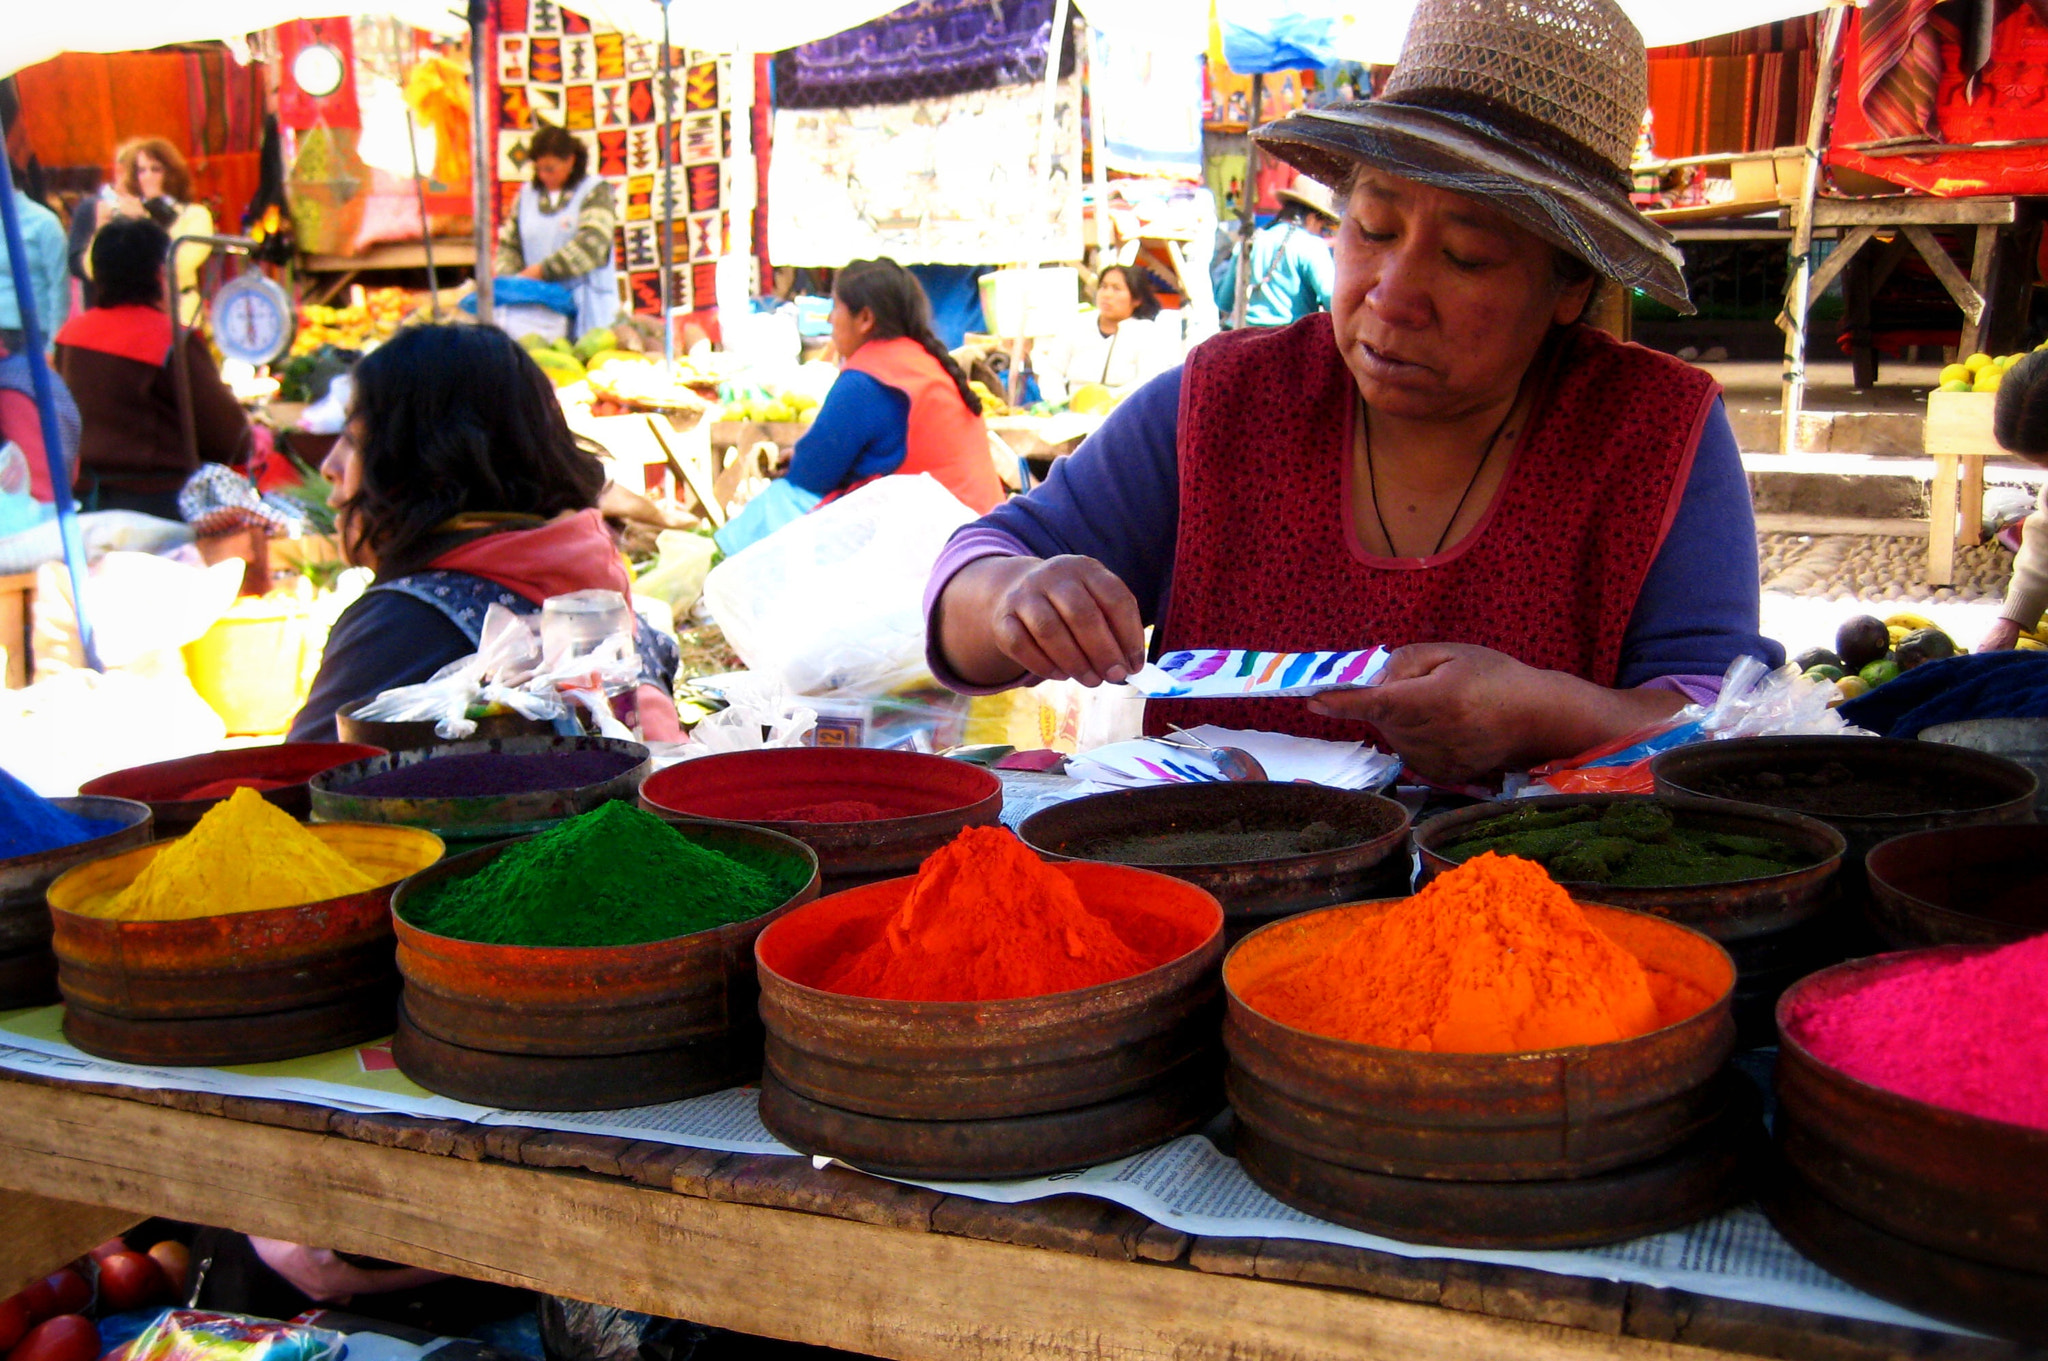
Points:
x=480 y=66
x=1049 y=104
x=1247 y=217
x=1800 y=255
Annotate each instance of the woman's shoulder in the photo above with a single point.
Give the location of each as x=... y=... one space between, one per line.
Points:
x=599 y=195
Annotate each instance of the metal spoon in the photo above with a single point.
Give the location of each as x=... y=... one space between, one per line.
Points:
x=1237 y=764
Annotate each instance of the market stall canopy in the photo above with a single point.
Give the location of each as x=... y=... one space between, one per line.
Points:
x=1261 y=36
x=37 y=33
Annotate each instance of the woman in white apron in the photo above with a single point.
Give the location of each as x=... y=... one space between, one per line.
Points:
x=561 y=232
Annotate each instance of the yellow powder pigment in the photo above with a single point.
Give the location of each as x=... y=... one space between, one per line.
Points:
x=245 y=855
x=1492 y=957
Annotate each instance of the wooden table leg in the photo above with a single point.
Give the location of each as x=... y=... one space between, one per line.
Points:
x=1972 y=529
x=1941 y=523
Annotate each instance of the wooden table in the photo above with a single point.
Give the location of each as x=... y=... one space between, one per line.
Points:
x=456 y=254
x=771 y=1246
x=1959 y=439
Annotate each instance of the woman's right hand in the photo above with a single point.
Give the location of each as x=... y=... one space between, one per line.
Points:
x=1064 y=618
x=2003 y=635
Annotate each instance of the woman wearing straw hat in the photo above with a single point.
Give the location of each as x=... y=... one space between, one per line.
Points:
x=1292 y=271
x=1552 y=528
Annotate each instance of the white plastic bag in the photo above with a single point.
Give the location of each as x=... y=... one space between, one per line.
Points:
x=834 y=604
x=759 y=714
x=505 y=659
x=142 y=608
x=677 y=580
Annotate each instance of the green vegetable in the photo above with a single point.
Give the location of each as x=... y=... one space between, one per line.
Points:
x=1826 y=673
x=1879 y=671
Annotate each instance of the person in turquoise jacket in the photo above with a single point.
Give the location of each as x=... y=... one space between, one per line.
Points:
x=1292 y=269
x=42 y=239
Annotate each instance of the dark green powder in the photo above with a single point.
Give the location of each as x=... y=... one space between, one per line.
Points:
x=614 y=876
x=1630 y=845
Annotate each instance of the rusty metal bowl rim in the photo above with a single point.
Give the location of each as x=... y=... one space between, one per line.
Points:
x=1462 y=1061
x=1784 y=817
x=999 y=1007
x=103 y=807
x=970 y=809
x=1896 y=1103
x=322 y=783
x=1382 y=842
x=411 y=936
x=1883 y=886
x=1818 y=743
x=177 y=810
x=260 y=916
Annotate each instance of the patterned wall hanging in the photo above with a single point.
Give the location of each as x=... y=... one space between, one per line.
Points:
x=555 y=66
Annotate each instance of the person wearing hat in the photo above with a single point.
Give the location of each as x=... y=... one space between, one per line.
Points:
x=1551 y=528
x=1292 y=270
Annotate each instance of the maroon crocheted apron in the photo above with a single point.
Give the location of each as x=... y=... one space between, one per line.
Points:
x=1266 y=557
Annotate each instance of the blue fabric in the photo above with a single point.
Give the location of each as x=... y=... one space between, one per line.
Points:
x=509 y=290
x=955 y=293
x=1293 y=275
x=1955 y=690
x=862 y=430
x=780 y=504
x=925 y=49
x=48 y=252
x=1261 y=37
x=1117 y=499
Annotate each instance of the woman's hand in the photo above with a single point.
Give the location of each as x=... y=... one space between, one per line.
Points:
x=1065 y=618
x=2003 y=635
x=1456 y=713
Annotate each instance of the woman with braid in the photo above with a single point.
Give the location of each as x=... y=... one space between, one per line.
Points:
x=900 y=405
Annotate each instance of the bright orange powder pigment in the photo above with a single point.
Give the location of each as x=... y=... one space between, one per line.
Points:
x=987 y=919
x=1491 y=958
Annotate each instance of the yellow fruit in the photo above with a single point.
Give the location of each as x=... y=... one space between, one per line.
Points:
x=1955 y=373
x=1909 y=621
x=1976 y=361
x=1091 y=399
x=1955 y=385
x=1852 y=687
x=2025 y=644
x=1988 y=380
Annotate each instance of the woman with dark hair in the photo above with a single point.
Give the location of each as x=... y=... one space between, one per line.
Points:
x=560 y=231
x=900 y=405
x=151 y=180
x=1118 y=345
x=459 y=483
x=116 y=358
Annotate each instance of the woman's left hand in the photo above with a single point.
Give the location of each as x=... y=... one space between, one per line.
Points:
x=1457 y=713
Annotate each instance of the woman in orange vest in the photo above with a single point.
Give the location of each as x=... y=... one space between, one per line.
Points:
x=899 y=405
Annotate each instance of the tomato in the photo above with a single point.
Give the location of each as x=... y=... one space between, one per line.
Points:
x=129 y=1280
x=174 y=1259
x=13 y=1321
x=67 y=1337
x=39 y=1300
x=70 y=1292
x=112 y=1245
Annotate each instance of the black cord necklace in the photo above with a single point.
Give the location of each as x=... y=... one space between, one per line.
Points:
x=1372 y=480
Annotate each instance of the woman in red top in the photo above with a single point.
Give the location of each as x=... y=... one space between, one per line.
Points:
x=900 y=405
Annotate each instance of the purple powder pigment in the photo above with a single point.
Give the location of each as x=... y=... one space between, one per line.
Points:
x=488 y=773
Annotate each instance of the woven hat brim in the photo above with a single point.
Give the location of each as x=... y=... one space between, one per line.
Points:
x=1588 y=216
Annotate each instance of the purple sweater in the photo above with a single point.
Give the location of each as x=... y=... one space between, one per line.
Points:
x=1117 y=500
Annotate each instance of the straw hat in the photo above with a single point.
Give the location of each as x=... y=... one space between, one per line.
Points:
x=1312 y=196
x=1531 y=105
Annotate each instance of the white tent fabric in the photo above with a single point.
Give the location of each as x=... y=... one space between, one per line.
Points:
x=1370 y=31
x=36 y=32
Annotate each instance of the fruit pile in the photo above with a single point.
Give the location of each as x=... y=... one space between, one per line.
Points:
x=758 y=404
x=1980 y=372
x=375 y=314
x=1869 y=651
x=48 y=1320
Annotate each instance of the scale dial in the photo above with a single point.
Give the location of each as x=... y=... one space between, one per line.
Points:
x=254 y=320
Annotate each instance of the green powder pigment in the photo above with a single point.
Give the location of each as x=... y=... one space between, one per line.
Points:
x=1629 y=845
x=614 y=876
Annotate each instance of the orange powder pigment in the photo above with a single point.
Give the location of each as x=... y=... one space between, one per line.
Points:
x=987 y=919
x=1492 y=957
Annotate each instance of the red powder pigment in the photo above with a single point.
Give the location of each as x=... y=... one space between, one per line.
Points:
x=835 y=810
x=220 y=789
x=987 y=919
x=1967 y=1034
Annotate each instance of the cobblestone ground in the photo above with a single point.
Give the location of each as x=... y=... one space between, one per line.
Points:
x=1876 y=568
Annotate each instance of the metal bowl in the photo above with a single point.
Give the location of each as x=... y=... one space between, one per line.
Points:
x=1252 y=891
x=235 y=987
x=164 y=785
x=480 y=817
x=28 y=972
x=2024 y=740
x=1561 y=1113
x=1960 y=886
x=932 y=798
x=586 y=1027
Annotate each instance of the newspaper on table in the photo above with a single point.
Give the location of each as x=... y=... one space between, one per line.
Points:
x=1188 y=1183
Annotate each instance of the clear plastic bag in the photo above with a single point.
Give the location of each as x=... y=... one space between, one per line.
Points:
x=1754 y=702
x=497 y=672
x=202 y=1335
x=834 y=603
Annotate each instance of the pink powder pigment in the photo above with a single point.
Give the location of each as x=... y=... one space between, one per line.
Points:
x=1968 y=1034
